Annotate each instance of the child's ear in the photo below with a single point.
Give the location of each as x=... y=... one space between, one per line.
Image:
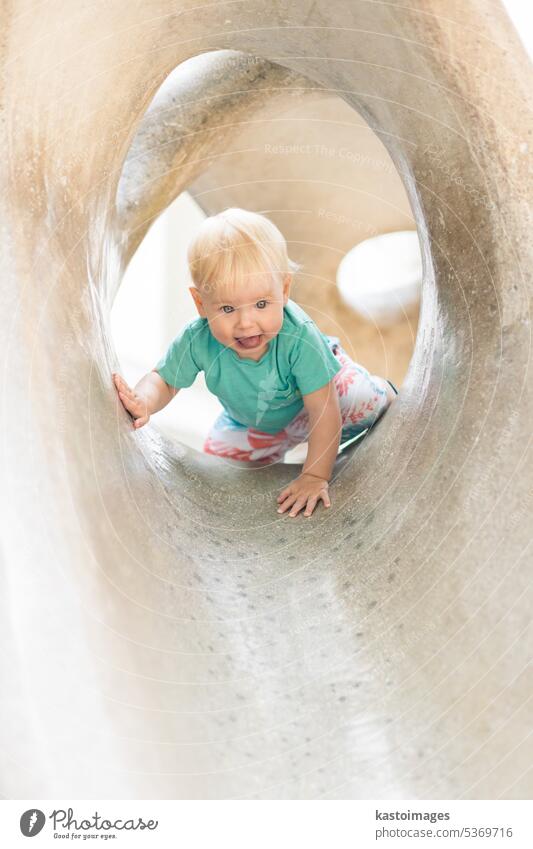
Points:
x=287 y=280
x=197 y=298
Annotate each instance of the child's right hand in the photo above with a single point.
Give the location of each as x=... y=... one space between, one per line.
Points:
x=132 y=402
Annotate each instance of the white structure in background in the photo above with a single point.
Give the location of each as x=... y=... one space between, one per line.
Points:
x=381 y=278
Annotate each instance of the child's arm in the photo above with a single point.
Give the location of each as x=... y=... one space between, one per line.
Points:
x=325 y=427
x=149 y=396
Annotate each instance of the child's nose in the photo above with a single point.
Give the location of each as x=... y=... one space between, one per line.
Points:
x=245 y=319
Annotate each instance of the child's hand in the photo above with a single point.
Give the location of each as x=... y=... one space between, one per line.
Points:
x=133 y=403
x=306 y=489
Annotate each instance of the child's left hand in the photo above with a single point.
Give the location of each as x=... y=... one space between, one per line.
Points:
x=304 y=490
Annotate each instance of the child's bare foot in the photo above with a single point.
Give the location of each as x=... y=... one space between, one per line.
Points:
x=133 y=403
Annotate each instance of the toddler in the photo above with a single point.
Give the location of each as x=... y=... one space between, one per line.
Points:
x=280 y=380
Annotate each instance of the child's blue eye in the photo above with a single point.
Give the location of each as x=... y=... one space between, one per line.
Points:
x=259 y=304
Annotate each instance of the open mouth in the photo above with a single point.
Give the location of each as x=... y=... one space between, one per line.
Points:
x=249 y=341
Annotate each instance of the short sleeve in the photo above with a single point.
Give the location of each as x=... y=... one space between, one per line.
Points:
x=314 y=364
x=178 y=367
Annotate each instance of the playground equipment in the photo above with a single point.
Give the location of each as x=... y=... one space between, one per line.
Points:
x=165 y=633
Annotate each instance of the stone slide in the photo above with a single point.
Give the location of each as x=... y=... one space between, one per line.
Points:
x=165 y=634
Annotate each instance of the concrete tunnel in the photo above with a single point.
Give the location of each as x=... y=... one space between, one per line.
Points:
x=165 y=635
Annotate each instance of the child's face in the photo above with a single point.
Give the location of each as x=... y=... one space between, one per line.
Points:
x=250 y=317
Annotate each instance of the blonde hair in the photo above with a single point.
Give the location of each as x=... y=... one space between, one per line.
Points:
x=233 y=245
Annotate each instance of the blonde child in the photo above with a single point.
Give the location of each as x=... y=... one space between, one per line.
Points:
x=279 y=379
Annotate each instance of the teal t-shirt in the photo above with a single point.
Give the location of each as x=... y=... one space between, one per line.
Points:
x=265 y=394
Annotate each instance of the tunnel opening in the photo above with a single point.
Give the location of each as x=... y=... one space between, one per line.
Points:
x=231 y=129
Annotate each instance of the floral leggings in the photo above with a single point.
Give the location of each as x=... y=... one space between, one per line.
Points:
x=363 y=398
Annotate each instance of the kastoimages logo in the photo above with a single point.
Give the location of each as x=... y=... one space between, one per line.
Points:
x=31 y=822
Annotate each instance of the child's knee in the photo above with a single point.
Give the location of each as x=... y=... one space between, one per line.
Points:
x=392 y=392
x=391 y=395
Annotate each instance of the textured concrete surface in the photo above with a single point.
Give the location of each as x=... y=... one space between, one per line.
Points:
x=165 y=634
